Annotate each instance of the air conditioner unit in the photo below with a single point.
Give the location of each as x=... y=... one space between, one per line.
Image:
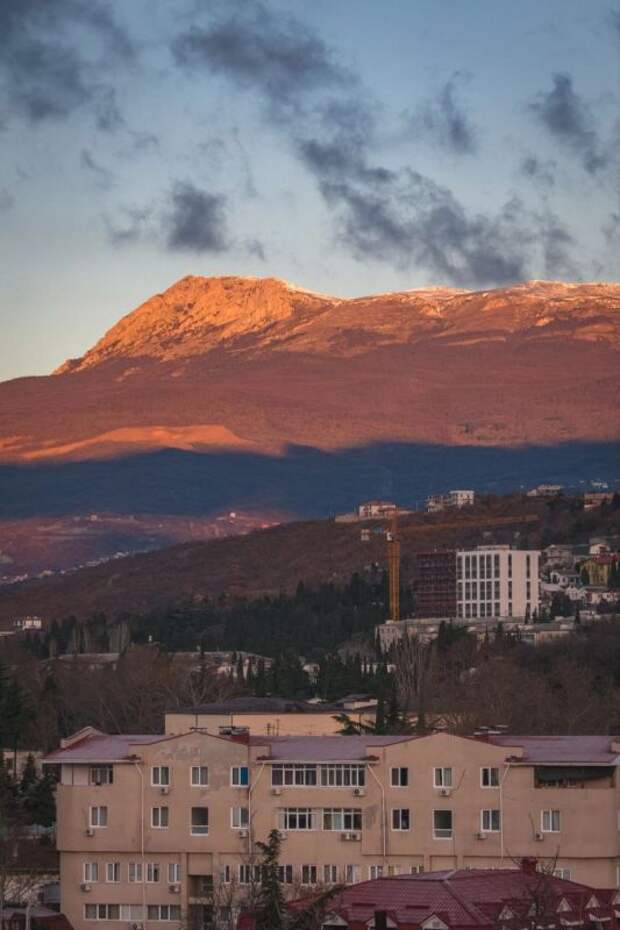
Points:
x=85 y=886
x=445 y=792
x=175 y=888
x=539 y=836
x=135 y=926
x=90 y=831
x=276 y=792
x=359 y=792
x=480 y=836
x=165 y=789
x=350 y=836
x=243 y=834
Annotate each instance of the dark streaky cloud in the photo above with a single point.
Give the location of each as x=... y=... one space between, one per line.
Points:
x=103 y=176
x=445 y=121
x=43 y=72
x=196 y=220
x=570 y=120
x=538 y=171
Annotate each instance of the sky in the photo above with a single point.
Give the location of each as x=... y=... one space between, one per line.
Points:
x=349 y=146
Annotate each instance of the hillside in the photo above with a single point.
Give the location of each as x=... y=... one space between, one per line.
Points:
x=249 y=394
x=276 y=559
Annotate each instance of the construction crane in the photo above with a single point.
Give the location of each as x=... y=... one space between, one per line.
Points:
x=393 y=544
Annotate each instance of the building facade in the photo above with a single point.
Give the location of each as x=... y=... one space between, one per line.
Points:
x=497 y=581
x=435 y=593
x=156 y=830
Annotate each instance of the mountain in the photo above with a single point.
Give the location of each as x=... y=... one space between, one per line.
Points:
x=233 y=393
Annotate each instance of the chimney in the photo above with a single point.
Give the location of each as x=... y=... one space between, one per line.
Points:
x=529 y=865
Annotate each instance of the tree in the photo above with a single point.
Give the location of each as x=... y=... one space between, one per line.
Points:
x=271 y=910
x=29 y=775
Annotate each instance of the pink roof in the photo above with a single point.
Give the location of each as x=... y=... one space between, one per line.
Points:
x=101 y=748
x=325 y=748
x=561 y=750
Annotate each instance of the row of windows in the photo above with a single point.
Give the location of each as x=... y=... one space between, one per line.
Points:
x=329 y=818
x=136 y=872
x=161 y=776
x=472 y=611
x=312 y=874
x=485 y=591
x=443 y=777
x=160 y=818
x=132 y=912
x=327 y=776
x=483 y=565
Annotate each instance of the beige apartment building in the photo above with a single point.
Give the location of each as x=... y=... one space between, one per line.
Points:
x=156 y=830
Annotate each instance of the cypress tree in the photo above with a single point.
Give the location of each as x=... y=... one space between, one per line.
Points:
x=270 y=913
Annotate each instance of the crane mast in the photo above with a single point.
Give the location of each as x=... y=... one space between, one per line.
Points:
x=393 y=543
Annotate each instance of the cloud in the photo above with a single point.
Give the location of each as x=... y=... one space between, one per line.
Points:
x=7 y=200
x=134 y=226
x=557 y=243
x=571 y=122
x=195 y=220
x=103 y=176
x=43 y=72
x=262 y=50
x=256 y=248
x=611 y=229
x=445 y=121
x=538 y=171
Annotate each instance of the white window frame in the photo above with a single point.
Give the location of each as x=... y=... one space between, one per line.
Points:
x=112 y=873
x=445 y=835
x=375 y=871
x=153 y=873
x=174 y=873
x=90 y=872
x=342 y=818
x=396 y=776
x=134 y=873
x=397 y=815
x=330 y=874
x=158 y=780
x=286 y=874
x=95 y=818
x=235 y=776
x=352 y=873
x=550 y=814
x=242 y=816
x=160 y=816
x=439 y=776
x=196 y=829
x=486 y=820
x=289 y=818
x=199 y=769
x=165 y=912
x=101 y=775
x=490 y=769
x=248 y=874
x=309 y=874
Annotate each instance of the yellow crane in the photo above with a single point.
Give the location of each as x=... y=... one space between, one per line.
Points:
x=393 y=544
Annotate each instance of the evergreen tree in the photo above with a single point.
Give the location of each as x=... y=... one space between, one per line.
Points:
x=392 y=718
x=41 y=803
x=380 y=723
x=29 y=775
x=271 y=910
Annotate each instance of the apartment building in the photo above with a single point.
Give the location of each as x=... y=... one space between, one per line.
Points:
x=497 y=581
x=158 y=829
x=435 y=593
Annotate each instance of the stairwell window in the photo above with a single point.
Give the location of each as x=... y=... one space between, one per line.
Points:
x=240 y=776
x=399 y=777
x=490 y=821
x=401 y=819
x=160 y=818
x=442 y=778
x=442 y=825
x=489 y=777
x=200 y=776
x=199 y=821
x=98 y=816
x=550 y=821
x=160 y=776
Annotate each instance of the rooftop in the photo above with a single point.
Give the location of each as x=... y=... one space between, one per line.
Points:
x=259 y=705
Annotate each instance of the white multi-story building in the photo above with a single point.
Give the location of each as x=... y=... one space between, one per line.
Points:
x=461 y=498
x=497 y=581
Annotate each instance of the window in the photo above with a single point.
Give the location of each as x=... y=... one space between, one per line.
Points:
x=297 y=818
x=90 y=871
x=309 y=875
x=101 y=775
x=240 y=776
x=490 y=821
x=239 y=818
x=293 y=774
x=528 y=566
x=330 y=874
x=497 y=613
x=489 y=777
x=343 y=776
x=399 y=777
x=285 y=874
x=563 y=873
x=510 y=564
x=113 y=872
x=401 y=819
x=152 y=872
x=226 y=875
x=442 y=825
x=160 y=817
x=174 y=873
x=393 y=870
x=443 y=778
x=352 y=874
x=102 y=911
x=200 y=821
x=496 y=564
x=375 y=871
x=550 y=821
x=160 y=776
x=200 y=776
x=416 y=869
x=98 y=816
x=342 y=818
x=164 y=912
x=249 y=874
x=135 y=872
